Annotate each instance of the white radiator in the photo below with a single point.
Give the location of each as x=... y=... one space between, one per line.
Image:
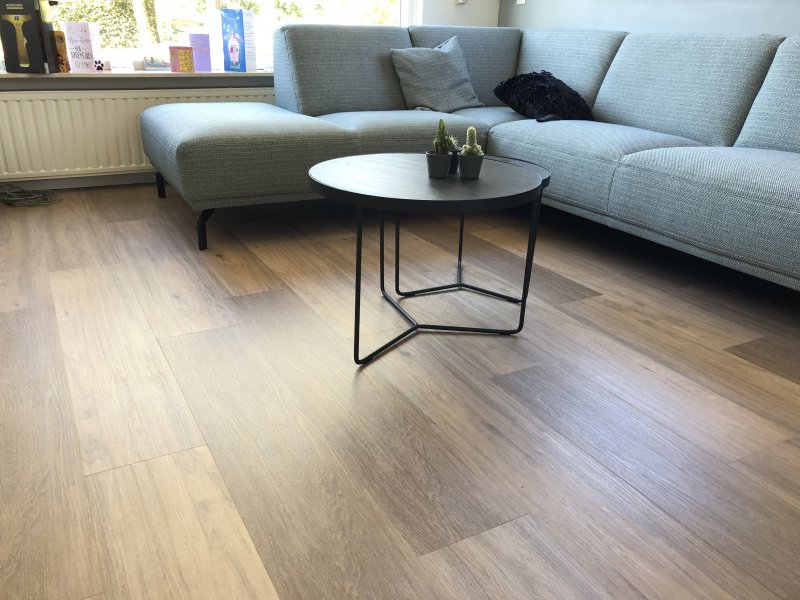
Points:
x=50 y=135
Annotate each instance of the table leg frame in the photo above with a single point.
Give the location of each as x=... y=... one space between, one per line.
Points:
x=414 y=325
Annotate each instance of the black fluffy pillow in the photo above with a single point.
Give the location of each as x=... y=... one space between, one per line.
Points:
x=543 y=97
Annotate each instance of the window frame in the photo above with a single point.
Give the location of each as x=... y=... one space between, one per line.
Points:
x=410 y=14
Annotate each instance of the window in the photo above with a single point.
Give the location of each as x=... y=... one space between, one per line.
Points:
x=134 y=30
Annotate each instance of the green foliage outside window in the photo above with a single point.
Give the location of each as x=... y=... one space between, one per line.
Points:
x=116 y=19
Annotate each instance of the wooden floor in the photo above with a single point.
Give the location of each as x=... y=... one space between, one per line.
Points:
x=177 y=424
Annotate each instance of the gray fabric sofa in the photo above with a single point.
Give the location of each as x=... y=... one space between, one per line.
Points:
x=695 y=143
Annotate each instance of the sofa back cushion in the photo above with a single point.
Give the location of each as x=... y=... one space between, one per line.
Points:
x=774 y=120
x=578 y=57
x=698 y=86
x=321 y=69
x=491 y=53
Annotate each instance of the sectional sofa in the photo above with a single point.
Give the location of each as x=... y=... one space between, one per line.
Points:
x=695 y=142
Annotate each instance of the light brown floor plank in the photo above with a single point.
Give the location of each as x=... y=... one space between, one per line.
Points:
x=72 y=239
x=699 y=414
x=167 y=528
x=179 y=296
x=517 y=560
x=777 y=468
x=758 y=305
x=149 y=239
x=23 y=259
x=128 y=407
x=779 y=354
x=47 y=545
x=751 y=386
x=238 y=269
x=322 y=283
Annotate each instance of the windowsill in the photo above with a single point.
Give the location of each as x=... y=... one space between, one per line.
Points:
x=132 y=80
x=4 y=75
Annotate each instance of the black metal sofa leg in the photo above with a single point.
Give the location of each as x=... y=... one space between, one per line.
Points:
x=161 y=185
x=202 y=240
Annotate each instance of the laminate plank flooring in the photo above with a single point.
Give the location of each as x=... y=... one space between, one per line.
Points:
x=425 y=265
x=431 y=485
x=318 y=533
x=154 y=228
x=179 y=296
x=759 y=390
x=47 y=546
x=631 y=547
x=518 y=560
x=128 y=407
x=657 y=295
x=776 y=353
x=549 y=287
x=236 y=267
x=24 y=281
x=185 y=424
x=71 y=239
x=756 y=304
x=754 y=528
x=718 y=424
x=322 y=283
x=592 y=265
x=777 y=468
x=167 y=528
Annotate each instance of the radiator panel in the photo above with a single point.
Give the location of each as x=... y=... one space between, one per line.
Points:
x=61 y=134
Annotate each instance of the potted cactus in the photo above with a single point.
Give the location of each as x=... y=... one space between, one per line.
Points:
x=439 y=159
x=471 y=158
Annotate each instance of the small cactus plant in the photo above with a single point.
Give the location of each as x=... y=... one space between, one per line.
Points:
x=443 y=143
x=472 y=147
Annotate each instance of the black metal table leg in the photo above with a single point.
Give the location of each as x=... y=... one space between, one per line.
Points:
x=357 y=327
x=415 y=326
x=430 y=290
x=460 y=249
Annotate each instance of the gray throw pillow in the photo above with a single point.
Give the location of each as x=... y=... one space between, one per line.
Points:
x=435 y=78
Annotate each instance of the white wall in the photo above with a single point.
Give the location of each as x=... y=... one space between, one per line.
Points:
x=447 y=12
x=723 y=16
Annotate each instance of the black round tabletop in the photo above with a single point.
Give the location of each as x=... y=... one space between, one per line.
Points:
x=400 y=183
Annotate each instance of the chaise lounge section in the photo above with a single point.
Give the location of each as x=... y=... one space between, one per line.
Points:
x=695 y=142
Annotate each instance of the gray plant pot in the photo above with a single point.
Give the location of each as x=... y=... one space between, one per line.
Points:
x=438 y=165
x=470 y=166
x=454 y=161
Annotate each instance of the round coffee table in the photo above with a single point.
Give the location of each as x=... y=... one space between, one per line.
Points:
x=399 y=183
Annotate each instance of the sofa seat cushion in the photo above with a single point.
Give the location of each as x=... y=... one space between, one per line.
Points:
x=489 y=116
x=582 y=155
x=742 y=203
x=213 y=151
x=401 y=130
